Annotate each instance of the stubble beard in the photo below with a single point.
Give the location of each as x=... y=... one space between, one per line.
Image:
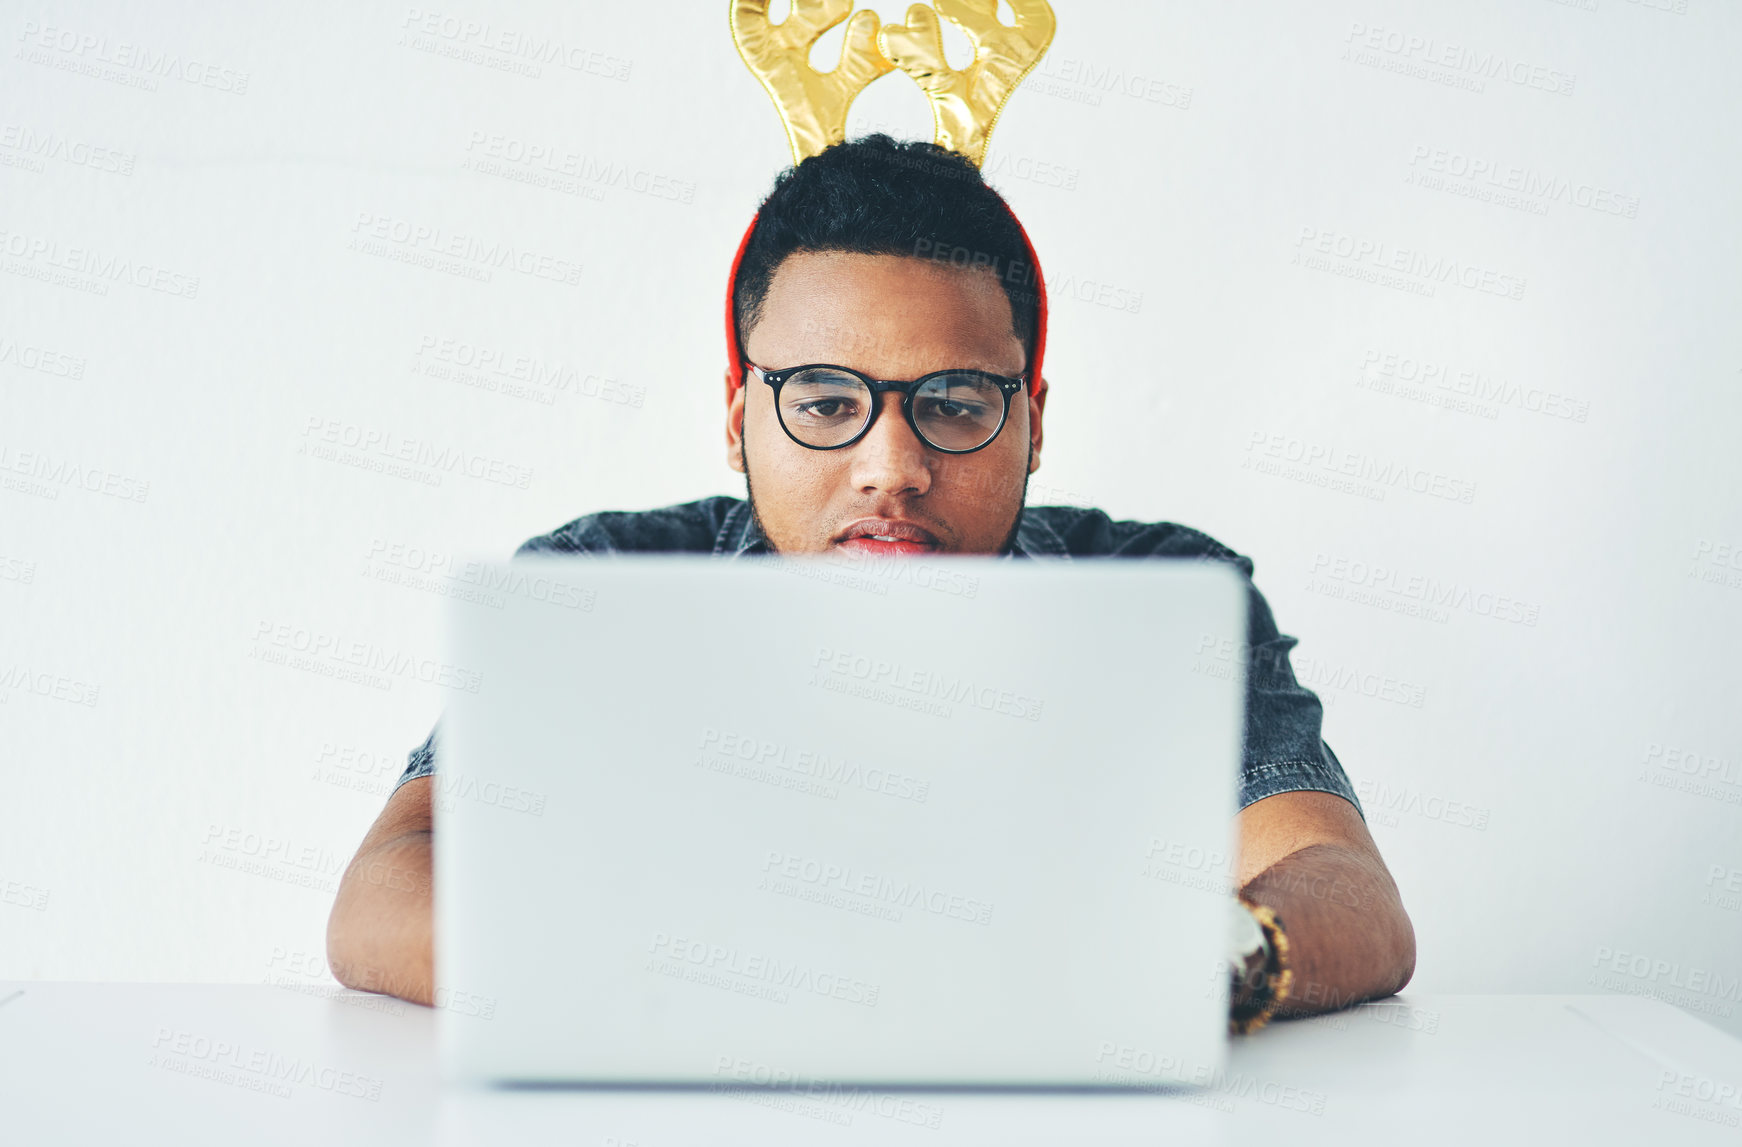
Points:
x=755 y=516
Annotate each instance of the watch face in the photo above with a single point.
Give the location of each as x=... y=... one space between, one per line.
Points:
x=1245 y=937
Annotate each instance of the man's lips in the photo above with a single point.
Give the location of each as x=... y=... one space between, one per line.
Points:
x=886 y=536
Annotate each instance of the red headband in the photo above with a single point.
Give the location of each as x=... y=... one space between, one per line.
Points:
x=735 y=355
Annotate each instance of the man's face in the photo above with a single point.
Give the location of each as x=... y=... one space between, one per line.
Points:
x=889 y=317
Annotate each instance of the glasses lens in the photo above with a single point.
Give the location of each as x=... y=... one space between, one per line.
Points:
x=824 y=407
x=958 y=411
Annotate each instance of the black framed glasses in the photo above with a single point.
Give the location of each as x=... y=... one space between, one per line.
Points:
x=826 y=407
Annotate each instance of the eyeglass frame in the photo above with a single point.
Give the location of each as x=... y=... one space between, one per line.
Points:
x=878 y=386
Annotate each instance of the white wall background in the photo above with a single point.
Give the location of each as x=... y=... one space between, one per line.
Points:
x=1561 y=801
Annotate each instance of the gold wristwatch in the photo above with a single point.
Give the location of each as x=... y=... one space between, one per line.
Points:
x=1261 y=977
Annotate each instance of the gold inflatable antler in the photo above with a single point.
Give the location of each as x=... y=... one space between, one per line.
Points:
x=813 y=104
x=965 y=104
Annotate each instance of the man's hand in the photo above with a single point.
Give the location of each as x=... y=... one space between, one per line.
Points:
x=380 y=937
x=1308 y=857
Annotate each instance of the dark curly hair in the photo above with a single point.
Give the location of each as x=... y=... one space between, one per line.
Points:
x=880 y=196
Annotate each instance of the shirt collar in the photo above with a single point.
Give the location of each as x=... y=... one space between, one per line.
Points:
x=739 y=535
x=1035 y=538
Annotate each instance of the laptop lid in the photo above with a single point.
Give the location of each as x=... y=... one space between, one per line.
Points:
x=771 y=820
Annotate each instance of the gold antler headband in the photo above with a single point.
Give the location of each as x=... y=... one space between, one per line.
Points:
x=813 y=104
x=965 y=103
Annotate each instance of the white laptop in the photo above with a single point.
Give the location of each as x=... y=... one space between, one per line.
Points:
x=934 y=822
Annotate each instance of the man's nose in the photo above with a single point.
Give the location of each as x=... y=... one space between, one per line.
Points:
x=890 y=458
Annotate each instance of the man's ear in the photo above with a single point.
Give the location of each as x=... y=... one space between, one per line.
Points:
x=735 y=395
x=1036 y=407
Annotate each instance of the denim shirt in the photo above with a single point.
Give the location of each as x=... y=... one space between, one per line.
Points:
x=1282 y=750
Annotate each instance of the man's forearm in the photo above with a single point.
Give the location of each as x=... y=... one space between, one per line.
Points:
x=381 y=934
x=1349 y=938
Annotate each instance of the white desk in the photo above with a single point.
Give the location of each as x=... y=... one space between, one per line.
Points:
x=116 y=1064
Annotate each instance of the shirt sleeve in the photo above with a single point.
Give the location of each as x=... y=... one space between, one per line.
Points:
x=1284 y=751
x=570 y=539
x=689 y=527
x=421 y=763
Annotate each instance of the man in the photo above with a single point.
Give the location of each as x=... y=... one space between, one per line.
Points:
x=854 y=269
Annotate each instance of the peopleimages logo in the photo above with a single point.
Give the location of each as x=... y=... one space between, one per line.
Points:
x=28 y=356
x=1408 y=52
x=34 y=147
x=924 y=684
x=487 y=577
x=254 y=1067
x=1473 y=384
x=1388 y=803
x=709 y=960
x=758 y=757
x=1128 y=1063
x=507 y=49
x=1524 y=181
x=518 y=375
x=17 y=569
x=45 y=475
x=828 y=1102
x=23 y=895
x=785 y=873
x=93 y=268
x=377 y=234
x=543 y=163
x=1095 y=79
x=91 y=54
x=302 y=647
x=1378 y=474
x=383 y=446
x=272 y=849
x=1426 y=268
x=1692 y=988
x=1427 y=590
x=29 y=679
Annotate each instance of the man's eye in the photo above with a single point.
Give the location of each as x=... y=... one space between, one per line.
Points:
x=945 y=408
x=828 y=408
